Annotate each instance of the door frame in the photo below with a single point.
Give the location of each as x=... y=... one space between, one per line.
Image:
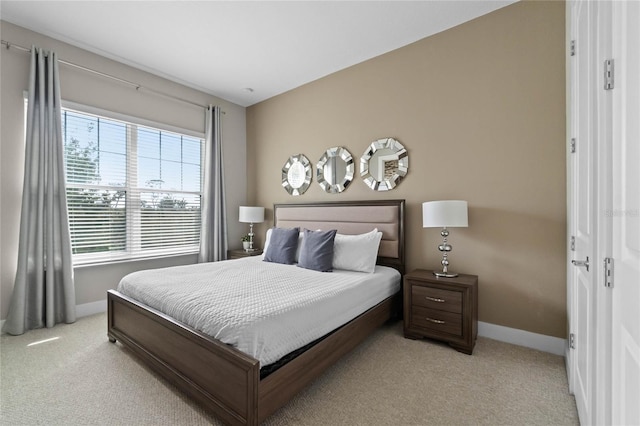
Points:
x=604 y=202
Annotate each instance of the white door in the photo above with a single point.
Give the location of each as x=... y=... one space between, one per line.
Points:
x=625 y=214
x=582 y=217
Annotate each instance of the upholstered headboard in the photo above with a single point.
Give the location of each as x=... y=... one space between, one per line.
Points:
x=352 y=217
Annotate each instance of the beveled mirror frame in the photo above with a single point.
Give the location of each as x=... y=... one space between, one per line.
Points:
x=349 y=169
x=392 y=177
x=294 y=187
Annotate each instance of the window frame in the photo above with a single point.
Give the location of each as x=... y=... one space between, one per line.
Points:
x=82 y=259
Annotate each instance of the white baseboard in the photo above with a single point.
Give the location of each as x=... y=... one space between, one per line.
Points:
x=87 y=309
x=554 y=345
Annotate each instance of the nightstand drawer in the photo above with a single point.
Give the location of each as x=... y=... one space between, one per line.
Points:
x=435 y=298
x=432 y=319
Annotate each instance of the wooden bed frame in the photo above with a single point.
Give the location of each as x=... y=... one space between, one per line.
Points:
x=226 y=381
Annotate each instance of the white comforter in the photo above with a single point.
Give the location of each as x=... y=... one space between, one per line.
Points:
x=264 y=309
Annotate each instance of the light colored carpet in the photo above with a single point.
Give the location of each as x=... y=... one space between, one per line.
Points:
x=82 y=379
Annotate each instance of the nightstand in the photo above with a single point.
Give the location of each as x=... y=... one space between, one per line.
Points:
x=237 y=254
x=441 y=308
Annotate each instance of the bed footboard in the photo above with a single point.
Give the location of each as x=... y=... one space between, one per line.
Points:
x=221 y=378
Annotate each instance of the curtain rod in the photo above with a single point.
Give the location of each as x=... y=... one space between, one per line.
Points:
x=137 y=86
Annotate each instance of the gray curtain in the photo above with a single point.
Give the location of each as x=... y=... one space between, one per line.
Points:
x=213 y=234
x=43 y=293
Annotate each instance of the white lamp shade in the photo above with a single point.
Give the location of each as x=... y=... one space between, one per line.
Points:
x=444 y=214
x=251 y=214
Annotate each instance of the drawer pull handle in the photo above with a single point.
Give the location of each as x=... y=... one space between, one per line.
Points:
x=434 y=320
x=435 y=299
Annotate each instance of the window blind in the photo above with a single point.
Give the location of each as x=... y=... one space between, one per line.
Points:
x=132 y=190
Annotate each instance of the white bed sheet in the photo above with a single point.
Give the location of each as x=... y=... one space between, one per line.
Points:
x=264 y=309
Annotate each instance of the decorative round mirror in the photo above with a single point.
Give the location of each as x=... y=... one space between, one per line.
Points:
x=296 y=174
x=384 y=164
x=335 y=170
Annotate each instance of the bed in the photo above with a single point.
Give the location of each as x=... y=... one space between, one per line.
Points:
x=227 y=381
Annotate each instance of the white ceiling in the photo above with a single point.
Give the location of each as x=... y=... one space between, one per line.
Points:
x=225 y=47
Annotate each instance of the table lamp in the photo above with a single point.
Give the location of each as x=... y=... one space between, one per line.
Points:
x=251 y=215
x=444 y=214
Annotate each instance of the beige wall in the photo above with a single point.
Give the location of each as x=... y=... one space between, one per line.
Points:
x=481 y=110
x=84 y=88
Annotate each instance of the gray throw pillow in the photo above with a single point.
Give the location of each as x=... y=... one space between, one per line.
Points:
x=282 y=246
x=317 y=250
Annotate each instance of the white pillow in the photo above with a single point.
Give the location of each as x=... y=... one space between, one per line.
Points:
x=268 y=237
x=356 y=252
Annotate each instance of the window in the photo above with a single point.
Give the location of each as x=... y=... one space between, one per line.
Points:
x=132 y=190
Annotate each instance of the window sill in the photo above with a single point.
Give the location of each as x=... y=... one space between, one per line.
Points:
x=84 y=263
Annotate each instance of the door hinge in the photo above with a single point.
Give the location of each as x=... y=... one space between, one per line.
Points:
x=572 y=341
x=573 y=243
x=608 y=272
x=572 y=49
x=608 y=74
x=573 y=145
